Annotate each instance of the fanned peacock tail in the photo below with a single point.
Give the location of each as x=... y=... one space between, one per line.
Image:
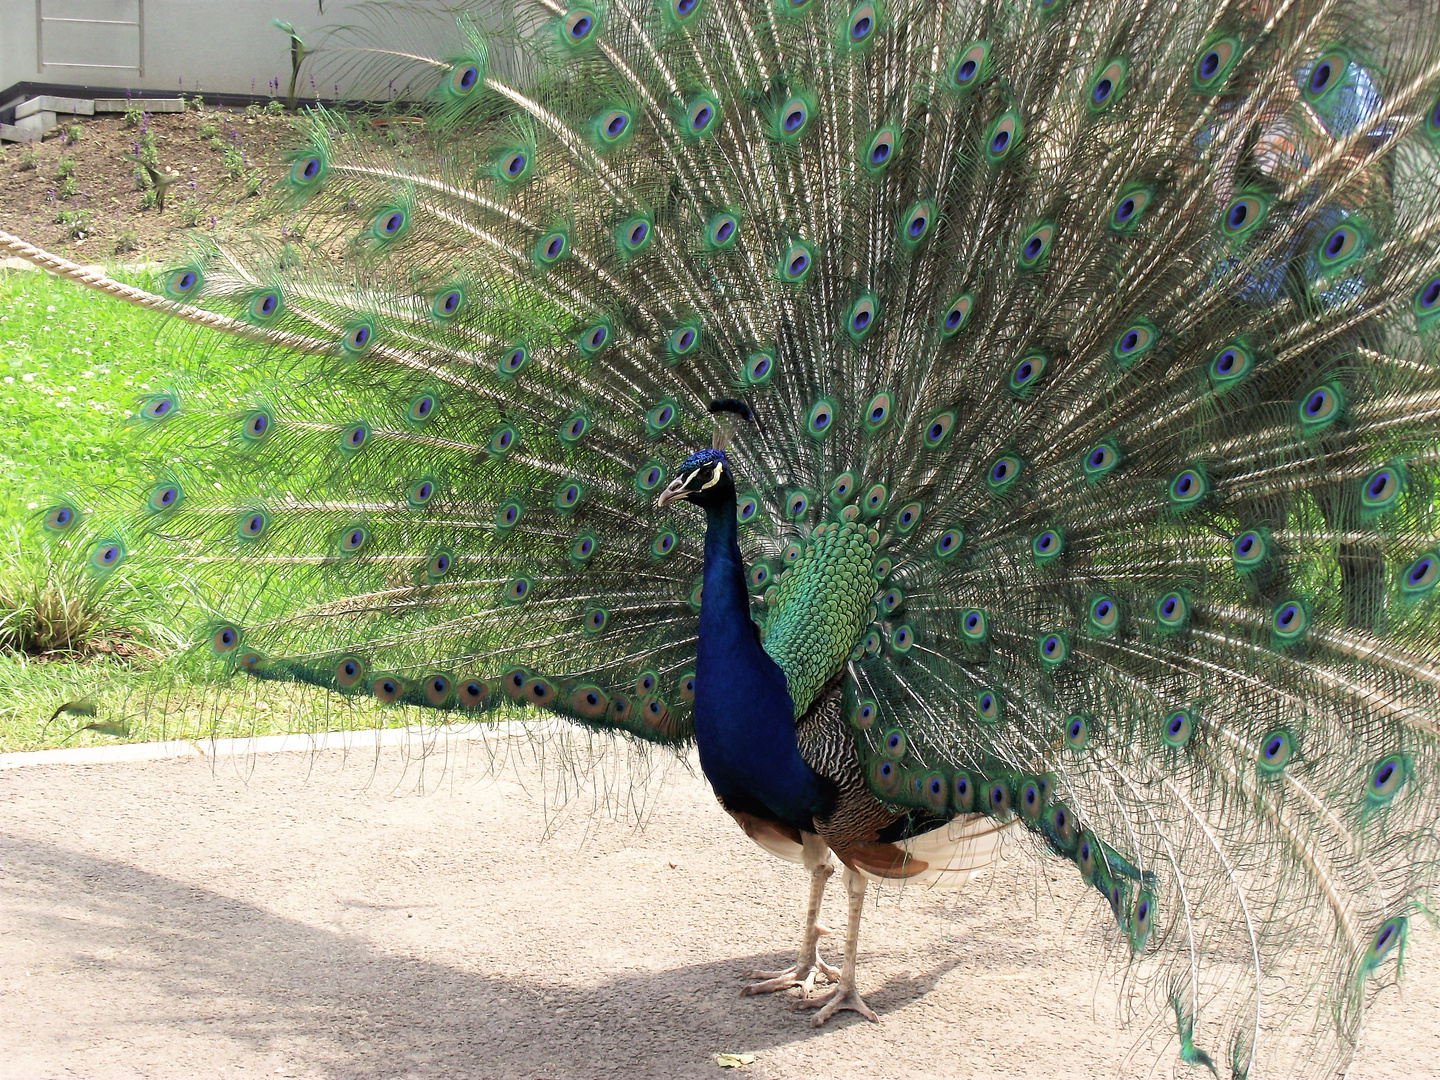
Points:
x=1093 y=344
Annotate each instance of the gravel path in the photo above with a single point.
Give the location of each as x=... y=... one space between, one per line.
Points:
x=365 y=915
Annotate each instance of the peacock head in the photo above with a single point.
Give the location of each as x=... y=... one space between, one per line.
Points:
x=704 y=479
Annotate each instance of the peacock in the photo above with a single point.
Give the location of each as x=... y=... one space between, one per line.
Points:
x=964 y=422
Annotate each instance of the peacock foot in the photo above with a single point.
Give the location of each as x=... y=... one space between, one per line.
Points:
x=801 y=974
x=837 y=1000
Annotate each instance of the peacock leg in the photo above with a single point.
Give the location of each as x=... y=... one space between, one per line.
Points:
x=808 y=964
x=844 y=995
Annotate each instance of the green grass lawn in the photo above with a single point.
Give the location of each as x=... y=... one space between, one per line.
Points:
x=73 y=364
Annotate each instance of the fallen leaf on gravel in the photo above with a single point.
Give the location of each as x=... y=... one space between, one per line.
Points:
x=733 y=1061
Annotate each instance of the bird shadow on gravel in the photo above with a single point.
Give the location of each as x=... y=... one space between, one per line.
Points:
x=332 y=1005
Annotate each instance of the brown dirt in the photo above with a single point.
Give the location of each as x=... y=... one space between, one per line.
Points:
x=322 y=916
x=32 y=198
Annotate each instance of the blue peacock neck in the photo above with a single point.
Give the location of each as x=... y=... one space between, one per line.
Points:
x=744 y=723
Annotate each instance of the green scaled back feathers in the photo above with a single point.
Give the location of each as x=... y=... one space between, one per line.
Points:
x=1095 y=347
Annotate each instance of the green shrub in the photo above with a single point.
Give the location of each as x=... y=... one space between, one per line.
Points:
x=127 y=241
x=64 y=167
x=67 y=188
x=76 y=222
x=209 y=129
x=134 y=117
x=29 y=161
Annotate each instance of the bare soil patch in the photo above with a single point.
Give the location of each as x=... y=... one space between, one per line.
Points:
x=359 y=916
x=76 y=193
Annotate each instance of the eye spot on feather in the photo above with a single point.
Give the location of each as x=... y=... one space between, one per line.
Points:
x=60 y=518
x=860 y=319
x=908 y=517
x=948 y=543
x=759 y=576
x=1003 y=473
x=1100 y=460
x=662 y=545
x=998 y=800
x=822 y=413
x=1289 y=621
x=1187 y=488
x=721 y=231
x=916 y=222
x=574 y=429
x=1077 y=731
x=1381 y=490
x=842 y=487
x=987 y=707
x=578 y=25
x=420 y=494
x=503 y=441
x=1172 y=611
x=687 y=688
x=1420 y=576
x=861 y=23
x=518 y=590
x=759 y=368
x=796 y=506
x=1107 y=86
x=956 y=314
x=264 y=306
x=224 y=641
x=183 y=284
x=1036 y=245
x=353 y=437
x=253 y=526
x=438 y=566
x=1277 y=750
x=1177 y=727
x=870 y=643
x=165 y=497
x=353 y=539
x=747 y=509
x=969 y=68
x=306 y=170
x=1243 y=215
x=974 y=625
x=421 y=409
x=551 y=248
x=582 y=548
x=1002 y=136
x=472 y=694
x=796 y=263
x=895 y=743
x=701 y=115
x=437 y=690
x=962 y=794
x=937 y=428
x=1027 y=372
x=596 y=620
x=387 y=690
x=158 y=408
x=514 y=164
x=1215 y=63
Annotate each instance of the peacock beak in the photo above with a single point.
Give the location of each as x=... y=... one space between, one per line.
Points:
x=676 y=490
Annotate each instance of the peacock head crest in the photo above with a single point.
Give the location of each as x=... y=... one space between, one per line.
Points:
x=704 y=479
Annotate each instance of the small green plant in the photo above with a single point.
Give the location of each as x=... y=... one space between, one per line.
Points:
x=191 y=213
x=29 y=161
x=64 y=167
x=234 y=162
x=274 y=108
x=76 y=223
x=145 y=150
x=134 y=116
x=72 y=134
x=217 y=143
x=67 y=188
x=209 y=129
x=150 y=199
x=126 y=242
x=253 y=111
x=253 y=183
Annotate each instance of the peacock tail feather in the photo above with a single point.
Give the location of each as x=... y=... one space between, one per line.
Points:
x=1094 y=348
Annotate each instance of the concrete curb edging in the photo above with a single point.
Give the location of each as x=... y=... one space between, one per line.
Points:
x=420 y=738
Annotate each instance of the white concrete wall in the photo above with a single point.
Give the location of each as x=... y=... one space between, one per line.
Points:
x=223 y=46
